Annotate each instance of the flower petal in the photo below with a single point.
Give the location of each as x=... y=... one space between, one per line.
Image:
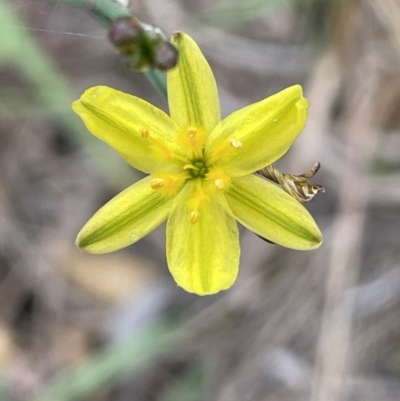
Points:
x=203 y=257
x=192 y=91
x=125 y=219
x=257 y=135
x=273 y=214
x=129 y=125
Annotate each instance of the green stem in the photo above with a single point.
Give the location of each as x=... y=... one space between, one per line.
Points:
x=109 y=9
x=158 y=79
x=106 y=8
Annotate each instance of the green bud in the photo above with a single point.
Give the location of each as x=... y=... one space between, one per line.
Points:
x=143 y=46
x=126 y=34
x=165 y=56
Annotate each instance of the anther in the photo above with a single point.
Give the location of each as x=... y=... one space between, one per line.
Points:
x=191 y=132
x=157 y=183
x=194 y=216
x=235 y=143
x=219 y=183
x=190 y=167
x=144 y=132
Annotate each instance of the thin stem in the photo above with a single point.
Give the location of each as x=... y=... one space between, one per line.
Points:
x=158 y=79
x=106 y=8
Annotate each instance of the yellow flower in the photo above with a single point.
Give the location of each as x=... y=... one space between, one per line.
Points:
x=200 y=173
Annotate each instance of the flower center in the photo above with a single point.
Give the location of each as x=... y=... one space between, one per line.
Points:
x=207 y=179
x=197 y=169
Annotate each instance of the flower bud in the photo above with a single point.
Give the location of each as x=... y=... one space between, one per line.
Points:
x=142 y=46
x=165 y=56
x=126 y=34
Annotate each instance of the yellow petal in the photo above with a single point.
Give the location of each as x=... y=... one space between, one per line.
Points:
x=202 y=247
x=133 y=127
x=125 y=219
x=271 y=213
x=192 y=91
x=257 y=135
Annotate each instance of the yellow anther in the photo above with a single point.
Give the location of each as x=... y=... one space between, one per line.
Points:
x=157 y=183
x=217 y=179
x=235 y=143
x=190 y=167
x=144 y=132
x=219 y=183
x=194 y=216
x=191 y=132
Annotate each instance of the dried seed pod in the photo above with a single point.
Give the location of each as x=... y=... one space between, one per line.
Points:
x=295 y=185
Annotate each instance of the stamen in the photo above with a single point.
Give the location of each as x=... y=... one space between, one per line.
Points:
x=144 y=132
x=160 y=148
x=157 y=183
x=217 y=180
x=190 y=167
x=192 y=140
x=236 y=144
x=179 y=157
x=191 y=132
x=194 y=216
x=219 y=183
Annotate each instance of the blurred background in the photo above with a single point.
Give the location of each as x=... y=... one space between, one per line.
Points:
x=320 y=326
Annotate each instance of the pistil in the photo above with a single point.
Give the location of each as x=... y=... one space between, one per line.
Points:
x=197 y=169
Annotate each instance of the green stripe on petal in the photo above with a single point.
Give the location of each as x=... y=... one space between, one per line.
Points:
x=203 y=257
x=257 y=135
x=125 y=219
x=273 y=214
x=126 y=123
x=192 y=91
